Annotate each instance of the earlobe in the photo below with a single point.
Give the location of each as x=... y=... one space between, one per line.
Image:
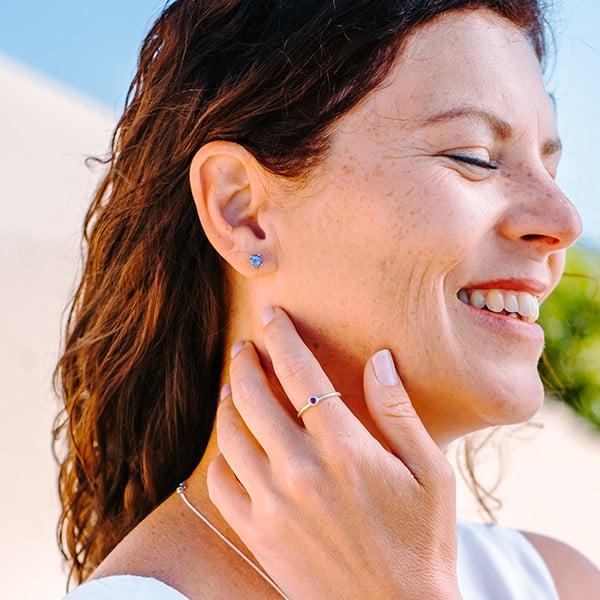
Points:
x=229 y=192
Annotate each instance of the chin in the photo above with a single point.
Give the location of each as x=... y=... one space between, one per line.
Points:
x=512 y=404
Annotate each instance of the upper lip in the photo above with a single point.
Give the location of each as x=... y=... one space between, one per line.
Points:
x=531 y=286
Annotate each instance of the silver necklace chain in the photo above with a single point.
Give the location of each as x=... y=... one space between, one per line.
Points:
x=181 y=491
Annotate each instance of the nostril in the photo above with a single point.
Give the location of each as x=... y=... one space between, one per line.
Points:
x=533 y=237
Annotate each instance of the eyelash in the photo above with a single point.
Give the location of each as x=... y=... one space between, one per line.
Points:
x=471 y=160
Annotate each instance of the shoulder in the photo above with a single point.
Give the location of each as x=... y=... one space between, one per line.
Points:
x=124 y=587
x=574 y=575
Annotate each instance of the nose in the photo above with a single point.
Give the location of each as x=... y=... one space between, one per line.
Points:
x=541 y=215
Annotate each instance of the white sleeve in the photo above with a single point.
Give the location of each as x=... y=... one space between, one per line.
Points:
x=124 y=587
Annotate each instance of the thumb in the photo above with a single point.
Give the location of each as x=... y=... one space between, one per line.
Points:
x=395 y=417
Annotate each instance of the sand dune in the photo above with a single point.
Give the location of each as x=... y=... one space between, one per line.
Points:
x=551 y=486
x=44 y=188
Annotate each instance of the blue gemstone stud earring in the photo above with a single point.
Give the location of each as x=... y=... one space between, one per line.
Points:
x=256 y=261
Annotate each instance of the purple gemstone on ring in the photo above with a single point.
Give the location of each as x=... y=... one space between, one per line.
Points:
x=313 y=400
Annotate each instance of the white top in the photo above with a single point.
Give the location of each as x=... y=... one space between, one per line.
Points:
x=494 y=563
x=125 y=587
x=497 y=563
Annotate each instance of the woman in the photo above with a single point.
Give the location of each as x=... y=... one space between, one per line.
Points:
x=384 y=173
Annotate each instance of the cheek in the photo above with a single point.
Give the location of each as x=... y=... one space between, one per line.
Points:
x=376 y=241
x=556 y=262
x=438 y=222
x=395 y=242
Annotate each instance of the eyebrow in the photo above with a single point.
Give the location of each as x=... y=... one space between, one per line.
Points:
x=499 y=127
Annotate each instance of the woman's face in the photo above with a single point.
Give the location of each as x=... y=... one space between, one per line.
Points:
x=437 y=196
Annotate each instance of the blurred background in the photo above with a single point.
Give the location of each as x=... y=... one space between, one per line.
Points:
x=64 y=70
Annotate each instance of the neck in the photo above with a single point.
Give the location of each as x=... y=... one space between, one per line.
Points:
x=344 y=366
x=197 y=493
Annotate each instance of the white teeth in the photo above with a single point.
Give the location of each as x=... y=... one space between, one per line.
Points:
x=495 y=301
x=477 y=299
x=514 y=304
x=511 y=303
x=528 y=306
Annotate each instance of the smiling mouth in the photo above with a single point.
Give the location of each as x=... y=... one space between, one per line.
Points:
x=516 y=305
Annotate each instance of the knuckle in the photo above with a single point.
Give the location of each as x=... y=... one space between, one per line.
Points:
x=271 y=507
x=224 y=415
x=227 y=433
x=302 y=475
x=276 y=505
x=248 y=390
x=397 y=406
x=277 y=514
x=228 y=426
x=442 y=474
x=342 y=453
x=295 y=366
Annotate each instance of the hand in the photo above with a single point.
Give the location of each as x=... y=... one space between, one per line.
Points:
x=325 y=508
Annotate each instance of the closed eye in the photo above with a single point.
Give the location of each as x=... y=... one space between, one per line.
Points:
x=471 y=160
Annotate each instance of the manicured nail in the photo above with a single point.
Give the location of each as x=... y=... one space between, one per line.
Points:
x=385 y=371
x=267 y=315
x=225 y=391
x=236 y=348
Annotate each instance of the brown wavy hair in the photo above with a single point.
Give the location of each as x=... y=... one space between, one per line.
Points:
x=145 y=334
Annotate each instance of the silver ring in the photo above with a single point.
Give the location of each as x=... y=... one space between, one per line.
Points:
x=314 y=400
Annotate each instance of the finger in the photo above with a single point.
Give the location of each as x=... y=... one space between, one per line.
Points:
x=301 y=376
x=228 y=495
x=395 y=417
x=243 y=453
x=269 y=422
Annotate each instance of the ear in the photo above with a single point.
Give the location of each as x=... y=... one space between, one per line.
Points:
x=228 y=185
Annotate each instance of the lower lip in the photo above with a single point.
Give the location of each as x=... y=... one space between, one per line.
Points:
x=506 y=324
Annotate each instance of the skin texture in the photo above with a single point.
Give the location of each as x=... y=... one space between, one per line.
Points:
x=330 y=487
x=369 y=252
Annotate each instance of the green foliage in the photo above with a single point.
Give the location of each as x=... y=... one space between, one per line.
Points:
x=570 y=317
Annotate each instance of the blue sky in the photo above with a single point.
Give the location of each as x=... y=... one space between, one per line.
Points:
x=92 y=46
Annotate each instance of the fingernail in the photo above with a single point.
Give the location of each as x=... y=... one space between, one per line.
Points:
x=267 y=315
x=236 y=348
x=385 y=371
x=225 y=391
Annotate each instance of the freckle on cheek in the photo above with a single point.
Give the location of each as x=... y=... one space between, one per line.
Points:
x=407 y=194
x=382 y=266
